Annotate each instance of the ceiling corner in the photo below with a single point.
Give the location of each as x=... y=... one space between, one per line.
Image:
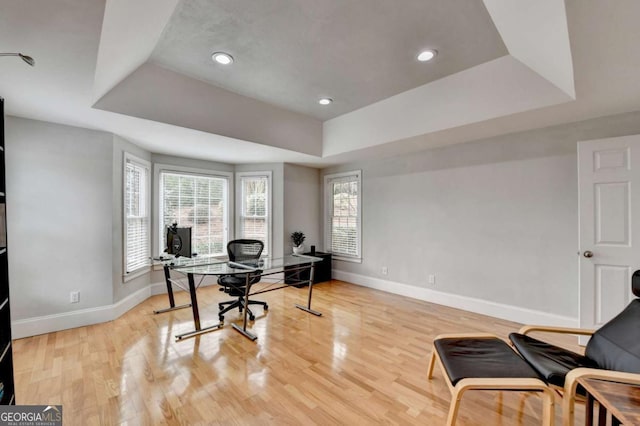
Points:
x=130 y=32
x=537 y=34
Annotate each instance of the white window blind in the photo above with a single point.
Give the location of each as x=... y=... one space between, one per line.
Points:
x=136 y=214
x=255 y=207
x=343 y=214
x=199 y=202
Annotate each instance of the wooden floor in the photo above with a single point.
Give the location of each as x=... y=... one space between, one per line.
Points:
x=363 y=362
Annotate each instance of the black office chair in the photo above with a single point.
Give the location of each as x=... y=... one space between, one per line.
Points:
x=235 y=285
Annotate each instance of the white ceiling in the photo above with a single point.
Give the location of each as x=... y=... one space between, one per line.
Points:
x=142 y=70
x=291 y=53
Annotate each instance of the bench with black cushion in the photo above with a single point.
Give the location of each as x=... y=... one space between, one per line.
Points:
x=485 y=362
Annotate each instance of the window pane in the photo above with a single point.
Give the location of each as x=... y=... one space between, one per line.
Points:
x=254 y=208
x=197 y=202
x=136 y=215
x=344 y=226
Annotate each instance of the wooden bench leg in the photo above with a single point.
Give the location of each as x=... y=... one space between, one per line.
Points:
x=454 y=406
x=503 y=384
x=493 y=384
x=432 y=362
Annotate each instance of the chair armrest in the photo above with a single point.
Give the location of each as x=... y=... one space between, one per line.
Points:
x=551 y=329
x=470 y=335
x=571 y=384
x=463 y=335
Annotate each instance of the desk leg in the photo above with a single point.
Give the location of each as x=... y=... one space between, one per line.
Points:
x=196 y=314
x=308 y=307
x=172 y=302
x=243 y=330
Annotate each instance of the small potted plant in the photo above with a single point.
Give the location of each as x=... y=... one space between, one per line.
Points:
x=297 y=238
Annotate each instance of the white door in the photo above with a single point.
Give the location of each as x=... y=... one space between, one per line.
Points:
x=609 y=180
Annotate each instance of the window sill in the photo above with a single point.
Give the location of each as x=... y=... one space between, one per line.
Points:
x=347 y=259
x=137 y=273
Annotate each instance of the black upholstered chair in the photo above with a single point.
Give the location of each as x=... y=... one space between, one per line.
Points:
x=235 y=285
x=483 y=361
x=613 y=353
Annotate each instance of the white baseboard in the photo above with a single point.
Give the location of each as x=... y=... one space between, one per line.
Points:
x=480 y=306
x=56 y=322
x=50 y=323
x=82 y=317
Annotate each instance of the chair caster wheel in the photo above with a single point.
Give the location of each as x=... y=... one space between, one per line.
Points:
x=221 y=318
x=266 y=307
x=220 y=306
x=252 y=317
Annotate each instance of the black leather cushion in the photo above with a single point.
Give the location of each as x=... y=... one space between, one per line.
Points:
x=480 y=358
x=552 y=362
x=616 y=345
x=635 y=283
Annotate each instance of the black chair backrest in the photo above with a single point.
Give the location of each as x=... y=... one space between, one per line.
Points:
x=616 y=345
x=239 y=250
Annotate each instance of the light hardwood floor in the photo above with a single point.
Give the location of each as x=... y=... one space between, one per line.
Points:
x=363 y=362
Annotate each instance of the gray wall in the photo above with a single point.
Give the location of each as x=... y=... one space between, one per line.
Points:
x=59 y=193
x=495 y=219
x=64 y=214
x=302 y=192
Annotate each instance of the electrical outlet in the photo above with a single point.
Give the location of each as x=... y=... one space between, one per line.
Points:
x=385 y=271
x=74 y=297
x=432 y=279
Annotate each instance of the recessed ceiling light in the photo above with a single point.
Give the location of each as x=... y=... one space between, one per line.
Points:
x=325 y=101
x=427 y=55
x=222 y=58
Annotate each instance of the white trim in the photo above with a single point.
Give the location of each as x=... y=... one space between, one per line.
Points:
x=160 y=288
x=328 y=204
x=480 y=306
x=128 y=157
x=131 y=301
x=239 y=199
x=56 y=322
x=135 y=274
x=346 y=258
x=63 y=321
x=158 y=168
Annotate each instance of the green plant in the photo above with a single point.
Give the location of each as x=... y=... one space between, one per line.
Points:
x=298 y=238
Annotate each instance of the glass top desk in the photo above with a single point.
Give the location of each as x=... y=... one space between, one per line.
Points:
x=207 y=266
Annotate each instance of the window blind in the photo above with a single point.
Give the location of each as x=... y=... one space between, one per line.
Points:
x=136 y=211
x=254 y=210
x=199 y=202
x=344 y=214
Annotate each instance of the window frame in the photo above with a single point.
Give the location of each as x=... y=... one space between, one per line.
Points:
x=328 y=207
x=131 y=158
x=240 y=201
x=158 y=169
